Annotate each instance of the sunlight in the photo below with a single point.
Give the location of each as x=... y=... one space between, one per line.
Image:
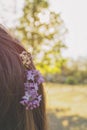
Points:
x=44 y=16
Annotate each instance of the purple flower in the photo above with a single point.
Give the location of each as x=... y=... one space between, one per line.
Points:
x=40 y=79
x=30 y=75
x=39 y=98
x=27 y=85
x=26 y=96
x=35 y=86
x=35 y=103
x=33 y=93
x=32 y=99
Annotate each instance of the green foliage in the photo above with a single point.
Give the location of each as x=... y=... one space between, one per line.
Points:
x=71 y=80
x=72 y=72
x=43 y=32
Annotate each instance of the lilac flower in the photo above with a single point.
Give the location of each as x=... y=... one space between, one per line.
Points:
x=39 y=98
x=32 y=99
x=40 y=79
x=26 y=96
x=24 y=102
x=33 y=93
x=35 y=103
x=35 y=86
x=27 y=85
x=30 y=75
x=35 y=72
x=32 y=104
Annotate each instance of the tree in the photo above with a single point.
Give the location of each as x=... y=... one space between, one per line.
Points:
x=43 y=32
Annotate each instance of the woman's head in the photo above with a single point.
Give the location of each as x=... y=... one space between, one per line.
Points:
x=14 y=116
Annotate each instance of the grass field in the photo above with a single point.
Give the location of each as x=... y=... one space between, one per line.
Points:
x=66 y=106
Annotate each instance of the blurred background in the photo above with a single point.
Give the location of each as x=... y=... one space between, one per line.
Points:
x=55 y=32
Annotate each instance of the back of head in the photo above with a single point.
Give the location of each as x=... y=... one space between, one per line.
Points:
x=13 y=116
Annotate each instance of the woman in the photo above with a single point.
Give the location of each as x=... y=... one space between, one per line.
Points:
x=21 y=108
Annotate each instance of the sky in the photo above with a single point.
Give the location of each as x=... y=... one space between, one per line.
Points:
x=10 y=10
x=73 y=12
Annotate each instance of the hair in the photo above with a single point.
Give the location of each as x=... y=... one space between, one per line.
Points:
x=14 y=116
